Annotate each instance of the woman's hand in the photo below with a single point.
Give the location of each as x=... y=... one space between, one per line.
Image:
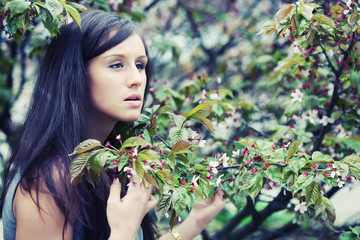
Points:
x=199 y=217
x=203 y=213
x=125 y=214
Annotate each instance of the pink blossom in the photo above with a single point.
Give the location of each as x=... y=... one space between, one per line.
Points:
x=314 y=167
x=254 y=170
x=266 y=165
x=306 y=174
x=183 y=182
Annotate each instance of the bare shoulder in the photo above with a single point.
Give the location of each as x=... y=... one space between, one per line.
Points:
x=33 y=222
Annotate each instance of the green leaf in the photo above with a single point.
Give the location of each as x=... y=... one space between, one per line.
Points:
x=207 y=124
x=179 y=120
x=97 y=161
x=281 y=131
x=274 y=173
x=296 y=164
x=293 y=148
x=292 y=108
x=285 y=13
x=351 y=159
x=319 y=157
x=248 y=142
x=205 y=186
x=355 y=230
x=54 y=7
x=86 y=146
x=354 y=19
x=255 y=189
x=313 y=193
x=329 y=214
x=355 y=171
x=163 y=206
x=74 y=14
x=165 y=109
x=166 y=176
x=133 y=142
x=123 y=160
x=178 y=202
x=17 y=6
x=302 y=182
x=324 y=20
x=202 y=110
x=150 y=179
x=180 y=146
x=176 y=134
x=148 y=154
x=355 y=78
x=343 y=169
x=77 y=166
x=348 y=236
x=139 y=169
x=244 y=181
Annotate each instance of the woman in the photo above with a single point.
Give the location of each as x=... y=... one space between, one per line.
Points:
x=90 y=78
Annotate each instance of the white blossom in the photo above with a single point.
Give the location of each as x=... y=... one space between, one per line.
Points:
x=312 y=115
x=334 y=171
x=297 y=96
x=202 y=143
x=340 y=182
x=224 y=159
x=214 y=96
x=301 y=207
x=326 y=120
x=236 y=154
x=194 y=181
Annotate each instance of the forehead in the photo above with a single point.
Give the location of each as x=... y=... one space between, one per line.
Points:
x=131 y=45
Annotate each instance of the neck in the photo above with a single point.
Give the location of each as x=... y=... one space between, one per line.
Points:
x=101 y=127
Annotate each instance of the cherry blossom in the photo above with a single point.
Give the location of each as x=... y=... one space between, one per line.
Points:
x=202 y=142
x=340 y=182
x=194 y=181
x=334 y=171
x=312 y=116
x=326 y=120
x=224 y=159
x=236 y=154
x=297 y=96
x=300 y=207
x=214 y=96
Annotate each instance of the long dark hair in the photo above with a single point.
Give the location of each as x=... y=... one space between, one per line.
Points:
x=58 y=120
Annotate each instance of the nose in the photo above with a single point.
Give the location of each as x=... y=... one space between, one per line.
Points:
x=135 y=78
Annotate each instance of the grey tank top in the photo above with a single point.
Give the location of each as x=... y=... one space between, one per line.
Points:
x=9 y=220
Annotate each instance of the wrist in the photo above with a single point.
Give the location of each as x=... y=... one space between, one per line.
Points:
x=188 y=229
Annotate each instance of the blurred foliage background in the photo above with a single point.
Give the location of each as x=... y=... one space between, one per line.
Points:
x=197 y=41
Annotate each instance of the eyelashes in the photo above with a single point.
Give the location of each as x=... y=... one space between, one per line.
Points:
x=118 y=65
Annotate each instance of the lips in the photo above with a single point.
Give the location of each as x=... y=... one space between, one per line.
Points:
x=133 y=97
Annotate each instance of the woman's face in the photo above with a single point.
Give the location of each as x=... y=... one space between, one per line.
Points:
x=118 y=81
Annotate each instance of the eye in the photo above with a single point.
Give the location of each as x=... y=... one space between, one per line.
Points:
x=140 y=65
x=116 y=65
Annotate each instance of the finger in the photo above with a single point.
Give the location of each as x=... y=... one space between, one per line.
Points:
x=149 y=189
x=152 y=203
x=115 y=190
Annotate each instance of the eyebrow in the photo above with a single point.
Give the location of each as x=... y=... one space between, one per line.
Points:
x=121 y=55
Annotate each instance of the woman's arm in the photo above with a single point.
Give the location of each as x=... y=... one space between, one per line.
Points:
x=33 y=223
